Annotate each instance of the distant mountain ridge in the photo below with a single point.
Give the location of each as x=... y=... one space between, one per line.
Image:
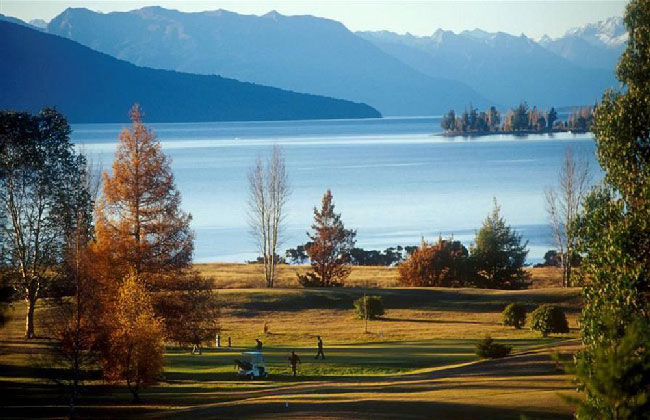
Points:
x=597 y=45
x=506 y=68
x=300 y=53
x=39 y=69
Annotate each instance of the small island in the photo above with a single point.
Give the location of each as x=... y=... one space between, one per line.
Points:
x=520 y=120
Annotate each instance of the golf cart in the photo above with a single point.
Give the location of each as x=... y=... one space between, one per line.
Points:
x=254 y=367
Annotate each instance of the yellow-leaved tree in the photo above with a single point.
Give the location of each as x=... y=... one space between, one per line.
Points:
x=134 y=351
x=142 y=231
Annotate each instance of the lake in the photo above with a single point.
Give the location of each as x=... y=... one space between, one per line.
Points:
x=392 y=179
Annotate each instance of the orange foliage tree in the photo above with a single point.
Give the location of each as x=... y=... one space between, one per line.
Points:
x=442 y=264
x=329 y=251
x=135 y=348
x=141 y=229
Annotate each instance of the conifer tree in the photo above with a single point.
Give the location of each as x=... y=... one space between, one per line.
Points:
x=331 y=245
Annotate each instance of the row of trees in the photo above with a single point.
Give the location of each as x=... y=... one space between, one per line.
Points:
x=495 y=261
x=118 y=265
x=358 y=256
x=518 y=119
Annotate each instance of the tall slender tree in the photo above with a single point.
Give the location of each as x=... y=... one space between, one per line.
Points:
x=141 y=229
x=39 y=171
x=614 y=237
x=331 y=244
x=564 y=204
x=269 y=192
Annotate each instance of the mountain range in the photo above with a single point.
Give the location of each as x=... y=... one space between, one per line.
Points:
x=507 y=69
x=597 y=45
x=300 y=53
x=398 y=74
x=39 y=69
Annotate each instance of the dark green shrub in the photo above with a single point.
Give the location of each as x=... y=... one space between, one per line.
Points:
x=374 y=304
x=549 y=319
x=488 y=349
x=514 y=315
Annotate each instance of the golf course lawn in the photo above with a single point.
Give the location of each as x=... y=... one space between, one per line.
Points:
x=417 y=362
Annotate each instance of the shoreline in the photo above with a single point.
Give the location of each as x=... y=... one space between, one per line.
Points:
x=520 y=133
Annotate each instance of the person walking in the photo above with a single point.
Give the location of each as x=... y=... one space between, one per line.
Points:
x=259 y=344
x=320 y=348
x=293 y=361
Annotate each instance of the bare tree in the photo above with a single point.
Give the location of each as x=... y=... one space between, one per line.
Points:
x=564 y=203
x=268 y=194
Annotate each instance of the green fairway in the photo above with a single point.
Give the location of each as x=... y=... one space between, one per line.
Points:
x=418 y=359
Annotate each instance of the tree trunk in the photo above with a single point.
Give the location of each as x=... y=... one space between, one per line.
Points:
x=29 y=319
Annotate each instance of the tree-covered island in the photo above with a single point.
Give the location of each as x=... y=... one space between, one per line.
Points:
x=519 y=120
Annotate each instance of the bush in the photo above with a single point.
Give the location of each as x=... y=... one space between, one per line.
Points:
x=514 y=315
x=374 y=304
x=488 y=349
x=549 y=319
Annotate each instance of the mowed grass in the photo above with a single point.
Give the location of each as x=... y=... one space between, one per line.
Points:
x=395 y=370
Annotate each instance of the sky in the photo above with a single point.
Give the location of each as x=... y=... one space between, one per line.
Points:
x=418 y=17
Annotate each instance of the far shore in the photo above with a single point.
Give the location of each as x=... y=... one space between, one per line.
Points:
x=521 y=133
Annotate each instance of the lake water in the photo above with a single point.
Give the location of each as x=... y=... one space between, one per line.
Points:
x=392 y=179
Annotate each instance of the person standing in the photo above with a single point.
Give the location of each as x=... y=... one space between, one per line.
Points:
x=293 y=361
x=320 y=348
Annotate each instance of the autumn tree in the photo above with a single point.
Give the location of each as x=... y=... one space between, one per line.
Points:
x=498 y=255
x=192 y=315
x=269 y=192
x=39 y=172
x=614 y=237
x=134 y=353
x=443 y=263
x=140 y=227
x=329 y=252
x=564 y=204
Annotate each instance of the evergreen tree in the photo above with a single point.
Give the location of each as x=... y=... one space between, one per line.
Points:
x=331 y=244
x=498 y=255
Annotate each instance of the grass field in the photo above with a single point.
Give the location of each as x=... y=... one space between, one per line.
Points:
x=239 y=276
x=417 y=362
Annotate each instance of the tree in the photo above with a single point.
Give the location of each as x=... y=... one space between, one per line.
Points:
x=448 y=122
x=564 y=204
x=520 y=117
x=614 y=232
x=551 y=118
x=444 y=263
x=548 y=319
x=140 y=226
x=268 y=194
x=331 y=245
x=369 y=307
x=298 y=255
x=141 y=229
x=514 y=315
x=488 y=349
x=135 y=350
x=616 y=378
x=498 y=255
x=38 y=171
x=192 y=316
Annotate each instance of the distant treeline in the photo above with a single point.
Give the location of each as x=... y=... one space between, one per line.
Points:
x=519 y=120
x=358 y=256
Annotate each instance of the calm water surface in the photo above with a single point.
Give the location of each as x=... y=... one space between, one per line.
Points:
x=393 y=179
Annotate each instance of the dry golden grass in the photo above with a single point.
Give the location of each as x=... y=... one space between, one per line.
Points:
x=242 y=276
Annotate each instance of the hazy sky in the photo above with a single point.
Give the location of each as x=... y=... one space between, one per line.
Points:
x=534 y=18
